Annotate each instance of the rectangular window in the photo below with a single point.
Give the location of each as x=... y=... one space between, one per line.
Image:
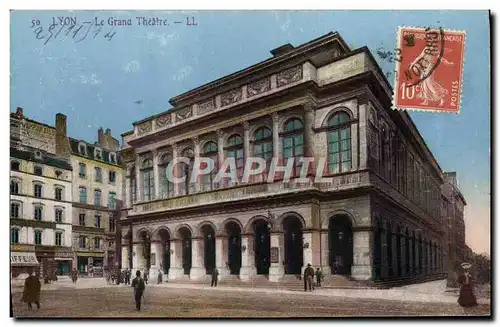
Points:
x=82 y=170
x=97 y=198
x=38 y=237
x=98 y=174
x=38 y=213
x=82 y=241
x=83 y=195
x=58 y=195
x=37 y=190
x=97 y=243
x=133 y=189
x=98 y=221
x=81 y=219
x=148 y=181
x=14 y=237
x=14 y=210
x=58 y=238
x=111 y=200
x=59 y=215
x=111 y=224
x=112 y=176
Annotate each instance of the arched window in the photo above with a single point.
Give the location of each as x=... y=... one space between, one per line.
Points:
x=58 y=193
x=293 y=143
x=14 y=187
x=339 y=143
x=210 y=150
x=97 y=198
x=37 y=190
x=186 y=170
x=14 y=235
x=14 y=165
x=263 y=147
x=234 y=149
x=38 y=237
x=148 y=182
x=166 y=185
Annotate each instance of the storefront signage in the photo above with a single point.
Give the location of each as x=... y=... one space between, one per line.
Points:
x=23 y=259
x=90 y=254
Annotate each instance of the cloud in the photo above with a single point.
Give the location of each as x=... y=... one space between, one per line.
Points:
x=92 y=79
x=132 y=67
x=183 y=73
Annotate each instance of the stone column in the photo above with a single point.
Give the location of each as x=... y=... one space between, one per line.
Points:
x=128 y=196
x=276 y=136
x=363 y=141
x=325 y=253
x=277 y=270
x=221 y=248
x=248 y=269
x=197 y=252
x=124 y=256
x=410 y=273
x=175 y=170
x=196 y=143
x=156 y=175
x=402 y=259
x=175 y=271
x=246 y=143
x=362 y=245
x=384 y=268
x=138 y=182
x=135 y=257
x=309 y=136
x=307 y=252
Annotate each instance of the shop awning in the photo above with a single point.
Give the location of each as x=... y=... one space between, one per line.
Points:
x=23 y=259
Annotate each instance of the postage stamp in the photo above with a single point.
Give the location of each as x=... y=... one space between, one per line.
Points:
x=429 y=67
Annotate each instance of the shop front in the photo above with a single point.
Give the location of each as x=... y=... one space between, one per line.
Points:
x=64 y=262
x=90 y=263
x=23 y=263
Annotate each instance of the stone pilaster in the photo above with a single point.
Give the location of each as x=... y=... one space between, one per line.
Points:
x=125 y=254
x=198 y=268
x=128 y=196
x=138 y=182
x=309 y=137
x=175 y=271
x=325 y=253
x=156 y=175
x=384 y=269
x=175 y=170
x=135 y=257
x=221 y=248
x=277 y=270
x=248 y=269
x=362 y=244
x=363 y=141
x=196 y=143
x=276 y=136
x=307 y=251
x=246 y=142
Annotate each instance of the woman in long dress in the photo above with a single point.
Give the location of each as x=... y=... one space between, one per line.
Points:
x=466 y=298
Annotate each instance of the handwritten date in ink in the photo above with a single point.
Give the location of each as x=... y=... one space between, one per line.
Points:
x=77 y=32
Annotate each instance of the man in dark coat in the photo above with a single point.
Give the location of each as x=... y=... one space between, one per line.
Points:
x=319 y=276
x=31 y=292
x=215 y=277
x=139 y=287
x=308 y=277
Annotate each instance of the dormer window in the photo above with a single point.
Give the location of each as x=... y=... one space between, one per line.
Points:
x=58 y=174
x=82 y=149
x=38 y=155
x=112 y=158
x=98 y=154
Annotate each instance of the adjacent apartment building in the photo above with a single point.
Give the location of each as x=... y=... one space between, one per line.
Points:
x=40 y=201
x=377 y=219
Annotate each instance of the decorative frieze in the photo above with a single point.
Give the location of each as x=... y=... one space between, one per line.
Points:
x=163 y=121
x=231 y=97
x=206 y=106
x=289 y=76
x=184 y=113
x=145 y=127
x=258 y=87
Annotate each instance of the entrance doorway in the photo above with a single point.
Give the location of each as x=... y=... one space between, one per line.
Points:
x=209 y=248
x=234 y=247
x=262 y=242
x=165 y=250
x=340 y=243
x=294 y=255
x=186 y=249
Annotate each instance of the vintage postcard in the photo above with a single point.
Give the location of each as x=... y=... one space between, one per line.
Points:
x=249 y=164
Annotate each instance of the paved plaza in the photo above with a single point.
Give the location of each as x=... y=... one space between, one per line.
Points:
x=95 y=299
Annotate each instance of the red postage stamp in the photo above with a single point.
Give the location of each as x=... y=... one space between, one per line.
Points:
x=429 y=65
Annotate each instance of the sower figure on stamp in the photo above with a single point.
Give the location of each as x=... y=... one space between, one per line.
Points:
x=31 y=292
x=308 y=277
x=215 y=277
x=466 y=299
x=139 y=287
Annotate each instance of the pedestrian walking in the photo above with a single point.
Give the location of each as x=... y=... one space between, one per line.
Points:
x=146 y=275
x=466 y=298
x=31 y=291
x=215 y=277
x=74 y=275
x=319 y=277
x=160 y=276
x=139 y=287
x=308 y=277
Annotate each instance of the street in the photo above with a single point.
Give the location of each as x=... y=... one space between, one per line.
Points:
x=178 y=302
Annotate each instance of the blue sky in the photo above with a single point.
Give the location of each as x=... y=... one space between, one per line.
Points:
x=96 y=81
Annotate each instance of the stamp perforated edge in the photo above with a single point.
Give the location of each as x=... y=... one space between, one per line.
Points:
x=395 y=89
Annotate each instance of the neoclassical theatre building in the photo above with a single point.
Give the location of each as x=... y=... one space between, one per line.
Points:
x=377 y=219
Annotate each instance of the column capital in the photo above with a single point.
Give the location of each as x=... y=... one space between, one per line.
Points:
x=175 y=147
x=220 y=133
x=309 y=106
x=196 y=140
x=276 y=117
x=246 y=125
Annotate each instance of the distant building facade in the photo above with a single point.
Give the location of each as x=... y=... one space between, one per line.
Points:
x=40 y=202
x=378 y=219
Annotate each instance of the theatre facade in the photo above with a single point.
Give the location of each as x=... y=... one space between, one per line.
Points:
x=377 y=219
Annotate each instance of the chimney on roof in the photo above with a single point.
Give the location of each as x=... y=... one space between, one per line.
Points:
x=62 y=142
x=108 y=132
x=100 y=136
x=282 y=50
x=19 y=112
